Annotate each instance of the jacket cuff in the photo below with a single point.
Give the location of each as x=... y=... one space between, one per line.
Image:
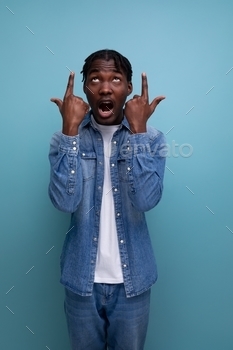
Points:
x=69 y=144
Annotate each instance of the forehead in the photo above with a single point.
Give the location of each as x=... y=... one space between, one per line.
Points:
x=101 y=65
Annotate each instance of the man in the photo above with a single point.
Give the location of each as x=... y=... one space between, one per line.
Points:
x=107 y=169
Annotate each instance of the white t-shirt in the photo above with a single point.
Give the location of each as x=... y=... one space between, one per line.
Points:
x=108 y=263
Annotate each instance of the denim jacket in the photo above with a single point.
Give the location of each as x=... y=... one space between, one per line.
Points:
x=137 y=163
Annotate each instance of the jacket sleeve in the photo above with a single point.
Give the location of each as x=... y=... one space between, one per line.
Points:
x=146 y=157
x=66 y=178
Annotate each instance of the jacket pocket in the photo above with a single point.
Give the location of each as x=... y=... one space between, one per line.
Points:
x=88 y=163
x=122 y=169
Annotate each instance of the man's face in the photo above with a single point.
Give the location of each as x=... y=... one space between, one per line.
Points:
x=106 y=89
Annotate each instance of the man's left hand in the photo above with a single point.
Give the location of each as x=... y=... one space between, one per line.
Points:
x=138 y=110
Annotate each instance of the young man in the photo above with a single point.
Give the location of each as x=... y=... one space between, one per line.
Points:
x=107 y=169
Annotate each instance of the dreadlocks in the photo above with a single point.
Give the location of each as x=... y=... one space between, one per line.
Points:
x=120 y=62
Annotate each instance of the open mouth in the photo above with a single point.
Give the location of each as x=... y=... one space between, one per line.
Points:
x=106 y=108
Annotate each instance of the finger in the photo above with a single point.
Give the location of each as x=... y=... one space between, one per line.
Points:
x=87 y=108
x=136 y=96
x=57 y=101
x=144 y=87
x=70 y=85
x=156 y=101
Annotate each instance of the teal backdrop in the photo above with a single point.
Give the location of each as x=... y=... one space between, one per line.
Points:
x=186 y=49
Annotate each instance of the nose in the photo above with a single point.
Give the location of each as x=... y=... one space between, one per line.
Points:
x=105 y=88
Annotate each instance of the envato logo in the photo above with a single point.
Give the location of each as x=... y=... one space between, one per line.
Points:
x=167 y=150
x=175 y=150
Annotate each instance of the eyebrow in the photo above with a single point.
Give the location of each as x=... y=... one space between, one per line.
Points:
x=96 y=70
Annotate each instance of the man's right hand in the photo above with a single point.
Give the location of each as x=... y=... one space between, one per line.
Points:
x=73 y=109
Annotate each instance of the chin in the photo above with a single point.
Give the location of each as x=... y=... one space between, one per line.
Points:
x=108 y=120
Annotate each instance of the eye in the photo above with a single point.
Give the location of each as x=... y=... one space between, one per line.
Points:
x=116 y=79
x=95 y=79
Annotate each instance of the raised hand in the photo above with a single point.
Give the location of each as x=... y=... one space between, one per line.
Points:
x=73 y=109
x=138 y=110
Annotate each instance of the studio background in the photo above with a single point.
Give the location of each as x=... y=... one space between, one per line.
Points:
x=185 y=47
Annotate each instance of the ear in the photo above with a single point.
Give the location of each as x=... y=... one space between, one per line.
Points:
x=130 y=88
x=84 y=88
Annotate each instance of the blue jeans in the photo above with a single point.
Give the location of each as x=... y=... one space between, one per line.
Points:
x=107 y=319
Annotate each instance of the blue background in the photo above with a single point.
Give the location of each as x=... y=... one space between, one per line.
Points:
x=186 y=49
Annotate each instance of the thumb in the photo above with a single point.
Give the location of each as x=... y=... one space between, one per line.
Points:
x=156 y=101
x=57 y=101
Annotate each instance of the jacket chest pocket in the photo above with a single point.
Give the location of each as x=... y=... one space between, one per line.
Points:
x=122 y=169
x=88 y=163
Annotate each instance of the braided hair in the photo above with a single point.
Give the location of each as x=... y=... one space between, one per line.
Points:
x=120 y=62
